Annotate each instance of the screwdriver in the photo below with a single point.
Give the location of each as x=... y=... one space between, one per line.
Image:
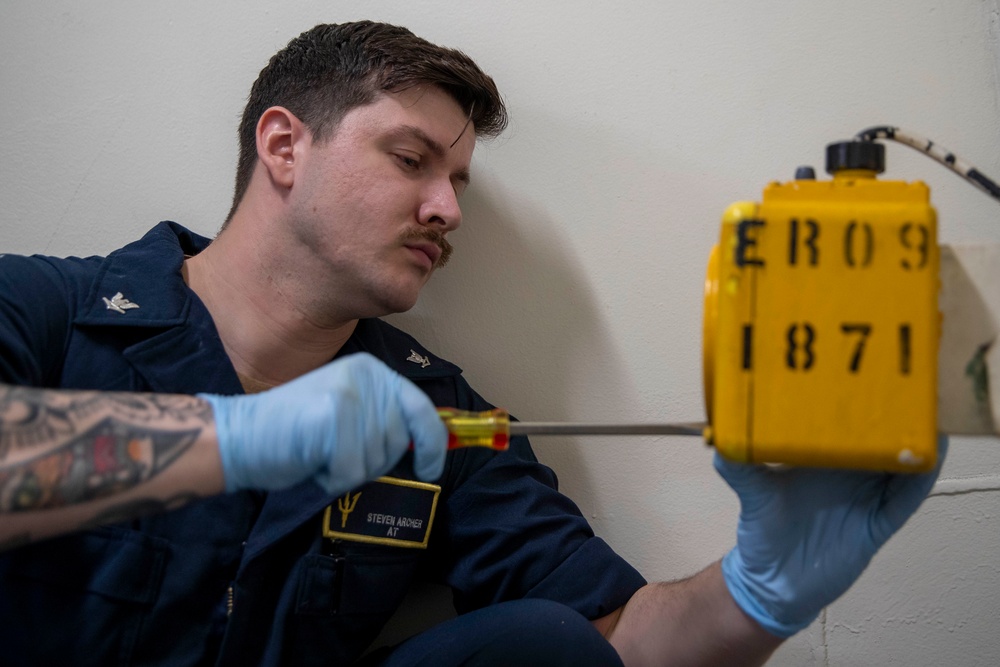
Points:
x=493 y=428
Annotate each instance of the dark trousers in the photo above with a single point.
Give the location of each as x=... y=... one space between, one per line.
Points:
x=522 y=633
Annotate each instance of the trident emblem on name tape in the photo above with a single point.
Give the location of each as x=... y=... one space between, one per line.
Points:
x=346 y=505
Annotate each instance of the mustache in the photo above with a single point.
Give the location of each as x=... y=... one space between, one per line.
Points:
x=430 y=236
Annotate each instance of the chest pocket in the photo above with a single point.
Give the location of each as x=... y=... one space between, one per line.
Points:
x=84 y=595
x=363 y=580
x=372 y=540
x=341 y=601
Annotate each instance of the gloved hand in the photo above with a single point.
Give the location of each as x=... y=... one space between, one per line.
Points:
x=341 y=425
x=805 y=535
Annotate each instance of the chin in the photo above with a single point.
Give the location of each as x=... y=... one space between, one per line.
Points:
x=399 y=303
x=397 y=296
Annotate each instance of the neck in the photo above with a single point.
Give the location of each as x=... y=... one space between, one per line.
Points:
x=267 y=325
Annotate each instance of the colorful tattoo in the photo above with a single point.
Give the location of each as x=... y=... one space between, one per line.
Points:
x=30 y=416
x=112 y=455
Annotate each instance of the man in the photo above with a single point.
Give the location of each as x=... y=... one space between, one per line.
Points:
x=355 y=146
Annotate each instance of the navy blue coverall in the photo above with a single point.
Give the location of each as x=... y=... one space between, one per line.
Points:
x=248 y=578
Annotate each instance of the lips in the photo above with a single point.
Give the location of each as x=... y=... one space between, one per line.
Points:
x=432 y=251
x=429 y=242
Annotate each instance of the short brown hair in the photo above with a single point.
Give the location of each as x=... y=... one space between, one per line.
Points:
x=333 y=68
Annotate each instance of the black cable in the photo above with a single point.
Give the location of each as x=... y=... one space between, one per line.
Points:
x=939 y=153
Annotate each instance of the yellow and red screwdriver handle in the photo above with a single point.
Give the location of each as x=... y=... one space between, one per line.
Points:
x=490 y=428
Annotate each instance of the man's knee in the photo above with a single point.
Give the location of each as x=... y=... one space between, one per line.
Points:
x=551 y=632
x=521 y=632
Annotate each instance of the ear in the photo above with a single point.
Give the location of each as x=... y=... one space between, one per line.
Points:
x=279 y=137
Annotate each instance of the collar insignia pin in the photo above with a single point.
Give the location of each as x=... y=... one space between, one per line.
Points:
x=418 y=359
x=119 y=303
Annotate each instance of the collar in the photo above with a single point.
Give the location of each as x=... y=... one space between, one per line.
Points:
x=138 y=285
x=398 y=350
x=164 y=331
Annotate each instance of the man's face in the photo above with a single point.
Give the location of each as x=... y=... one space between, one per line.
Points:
x=372 y=204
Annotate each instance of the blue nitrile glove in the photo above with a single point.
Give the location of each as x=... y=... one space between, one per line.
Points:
x=341 y=425
x=805 y=534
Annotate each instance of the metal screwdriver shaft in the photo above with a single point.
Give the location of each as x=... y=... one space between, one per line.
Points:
x=577 y=428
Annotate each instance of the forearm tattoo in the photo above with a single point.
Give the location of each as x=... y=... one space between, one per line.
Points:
x=53 y=453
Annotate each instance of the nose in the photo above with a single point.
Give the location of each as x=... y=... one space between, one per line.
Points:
x=440 y=207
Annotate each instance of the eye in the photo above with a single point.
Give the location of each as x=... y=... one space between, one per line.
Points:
x=408 y=162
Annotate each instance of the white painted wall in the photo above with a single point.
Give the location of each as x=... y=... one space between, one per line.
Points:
x=575 y=292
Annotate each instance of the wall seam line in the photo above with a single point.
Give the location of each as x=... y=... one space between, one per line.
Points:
x=963 y=485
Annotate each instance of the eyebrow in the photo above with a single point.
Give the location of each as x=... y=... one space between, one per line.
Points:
x=433 y=146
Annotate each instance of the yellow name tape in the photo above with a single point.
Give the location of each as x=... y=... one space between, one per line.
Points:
x=388 y=511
